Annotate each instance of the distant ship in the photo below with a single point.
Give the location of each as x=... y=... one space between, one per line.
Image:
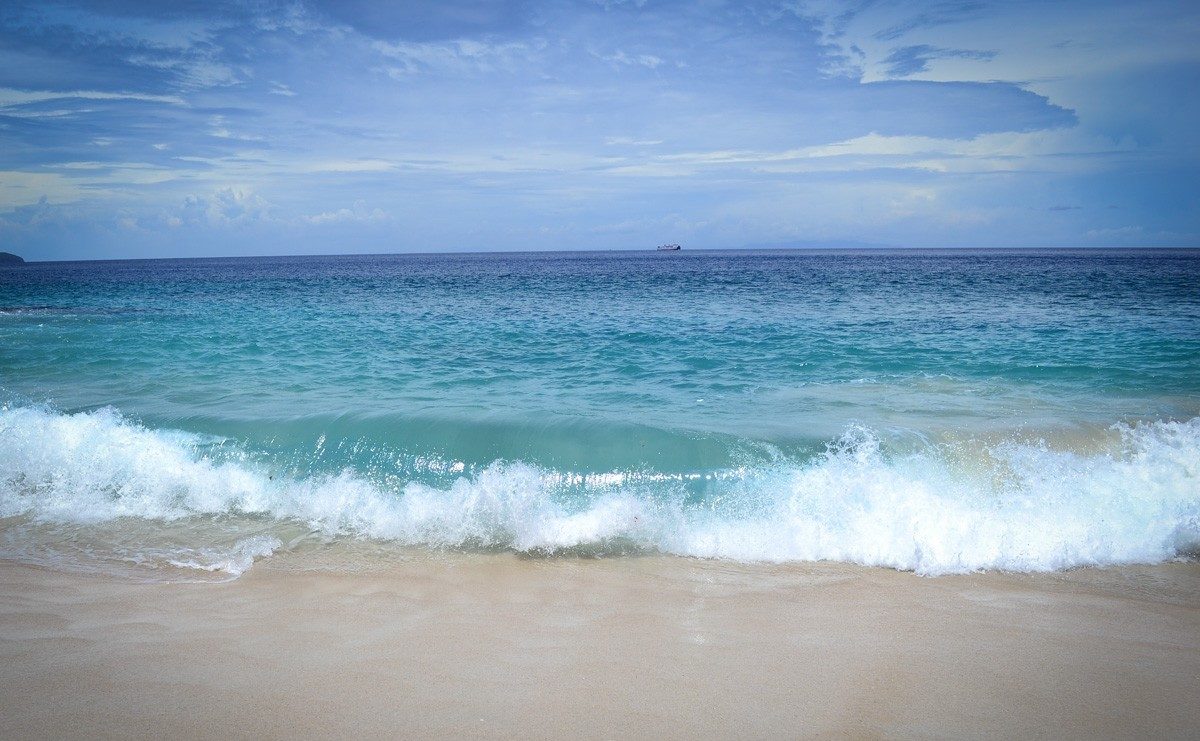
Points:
x=668 y=247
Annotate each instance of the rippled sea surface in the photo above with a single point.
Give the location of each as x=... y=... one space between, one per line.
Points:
x=929 y=410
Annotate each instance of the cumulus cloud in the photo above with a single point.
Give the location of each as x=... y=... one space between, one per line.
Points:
x=228 y=206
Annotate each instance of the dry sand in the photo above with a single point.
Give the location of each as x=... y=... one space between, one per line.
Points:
x=503 y=646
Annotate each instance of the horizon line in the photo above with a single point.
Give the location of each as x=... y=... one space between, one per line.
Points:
x=637 y=250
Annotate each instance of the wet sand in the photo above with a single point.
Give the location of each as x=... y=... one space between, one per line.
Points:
x=503 y=646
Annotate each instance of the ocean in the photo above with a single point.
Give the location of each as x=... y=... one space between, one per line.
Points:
x=934 y=411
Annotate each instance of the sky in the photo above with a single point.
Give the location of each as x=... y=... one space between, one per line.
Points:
x=205 y=127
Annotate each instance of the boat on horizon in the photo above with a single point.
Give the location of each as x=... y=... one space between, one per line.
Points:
x=668 y=247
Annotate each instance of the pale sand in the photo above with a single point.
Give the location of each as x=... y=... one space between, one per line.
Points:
x=503 y=646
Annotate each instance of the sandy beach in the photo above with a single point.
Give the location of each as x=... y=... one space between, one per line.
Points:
x=503 y=646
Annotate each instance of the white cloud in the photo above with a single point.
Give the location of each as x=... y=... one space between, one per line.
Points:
x=463 y=55
x=10 y=97
x=229 y=206
x=19 y=188
x=15 y=112
x=359 y=214
x=1043 y=46
x=620 y=58
x=218 y=127
x=1059 y=150
x=629 y=141
x=347 y=165
x=206 y=74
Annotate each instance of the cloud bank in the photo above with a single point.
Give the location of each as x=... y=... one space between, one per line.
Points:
x=132 y=129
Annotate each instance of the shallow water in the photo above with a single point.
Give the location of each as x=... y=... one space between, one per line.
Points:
x=935 y=411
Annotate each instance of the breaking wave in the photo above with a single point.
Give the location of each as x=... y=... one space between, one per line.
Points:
x=1133 y=497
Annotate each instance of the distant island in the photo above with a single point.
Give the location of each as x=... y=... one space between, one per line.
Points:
x=8 y=258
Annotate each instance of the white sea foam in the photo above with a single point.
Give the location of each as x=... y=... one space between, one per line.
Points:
x=234 y=562
x=1012 y=506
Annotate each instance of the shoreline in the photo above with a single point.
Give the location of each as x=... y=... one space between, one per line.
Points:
x=488 y=645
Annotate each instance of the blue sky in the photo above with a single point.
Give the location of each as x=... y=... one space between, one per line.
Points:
x=140 y=129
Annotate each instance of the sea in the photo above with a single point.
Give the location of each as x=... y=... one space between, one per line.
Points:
x=935 y=411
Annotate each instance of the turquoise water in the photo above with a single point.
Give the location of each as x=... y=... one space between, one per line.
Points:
x=937 y=411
